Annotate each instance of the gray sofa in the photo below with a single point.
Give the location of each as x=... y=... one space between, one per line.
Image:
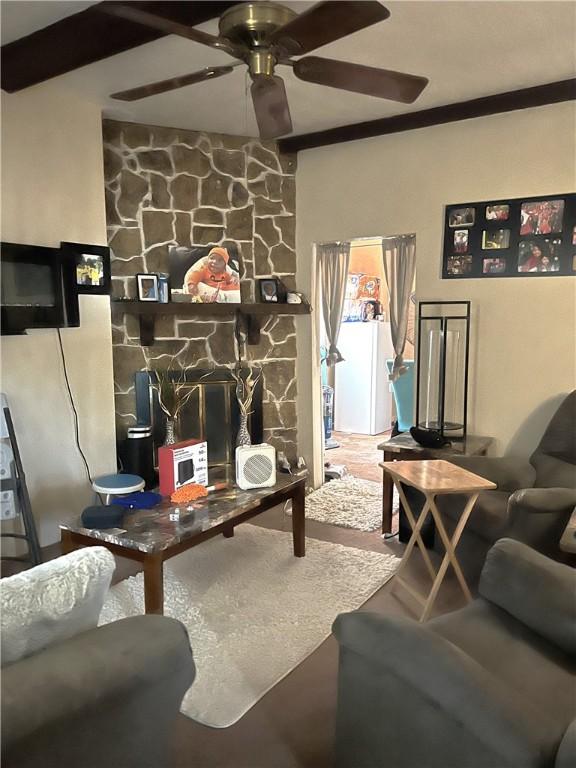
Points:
x=489 y=686
x=532 y=503
x=106 y=698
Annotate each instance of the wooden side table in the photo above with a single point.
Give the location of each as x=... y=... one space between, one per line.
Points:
x=403 y=447
x=433 y=478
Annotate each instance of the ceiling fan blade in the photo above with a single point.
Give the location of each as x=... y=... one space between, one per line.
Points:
x=271 y=106
x=209 y=73
x=326 y=22
x=384 y=83
x=167 y=26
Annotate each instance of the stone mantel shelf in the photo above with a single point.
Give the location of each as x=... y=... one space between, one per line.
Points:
x=248 y=313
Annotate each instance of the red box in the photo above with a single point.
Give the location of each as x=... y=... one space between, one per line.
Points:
x=182 y=463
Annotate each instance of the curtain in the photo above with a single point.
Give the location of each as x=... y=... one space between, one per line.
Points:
x=399 y=255
x=332 y=267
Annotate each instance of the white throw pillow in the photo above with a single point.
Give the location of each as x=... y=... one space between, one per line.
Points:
x=53 y=601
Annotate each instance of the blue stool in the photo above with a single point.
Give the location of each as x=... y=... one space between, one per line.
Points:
x=117 y=485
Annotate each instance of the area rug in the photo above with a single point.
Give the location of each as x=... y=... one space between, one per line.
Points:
x=253 y=611
x=349 y=503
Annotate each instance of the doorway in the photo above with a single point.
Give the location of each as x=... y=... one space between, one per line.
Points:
x=359 y=410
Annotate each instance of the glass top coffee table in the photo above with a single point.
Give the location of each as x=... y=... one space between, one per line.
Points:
x=151 y=536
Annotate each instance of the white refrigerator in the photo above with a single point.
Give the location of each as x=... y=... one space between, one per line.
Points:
x=362 y=396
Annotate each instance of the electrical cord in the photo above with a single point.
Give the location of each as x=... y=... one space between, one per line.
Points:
x=75 y=412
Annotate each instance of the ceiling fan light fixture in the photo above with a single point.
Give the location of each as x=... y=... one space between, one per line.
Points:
x=261 y=62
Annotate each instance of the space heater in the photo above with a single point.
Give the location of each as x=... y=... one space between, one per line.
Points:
x=255 y=466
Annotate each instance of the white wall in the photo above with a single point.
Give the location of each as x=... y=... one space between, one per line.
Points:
x=522 y=348
x=53 y=190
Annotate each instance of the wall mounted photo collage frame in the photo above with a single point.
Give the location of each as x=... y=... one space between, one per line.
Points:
x=525 y=236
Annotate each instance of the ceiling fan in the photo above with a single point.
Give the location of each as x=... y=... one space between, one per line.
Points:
x=263 y=35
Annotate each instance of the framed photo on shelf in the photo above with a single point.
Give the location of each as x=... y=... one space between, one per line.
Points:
x=521 y=237
x=370 y=310
x=206 y=273
x=147 y=286
x=270 y=289
x=92 y=267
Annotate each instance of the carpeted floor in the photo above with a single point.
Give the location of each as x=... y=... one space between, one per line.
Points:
x=253 y=611
x=350 y=503
x=293 y=725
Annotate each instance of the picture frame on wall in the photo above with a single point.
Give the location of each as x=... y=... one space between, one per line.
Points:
x=495 y=239
x=462 y=217
x=539 y=255
x=460 y=240
x=497 y=212
x=520 y=237
x=459 y=265
x=493 y=266
x=541 y=217
x=92 y=267
x=147 y=286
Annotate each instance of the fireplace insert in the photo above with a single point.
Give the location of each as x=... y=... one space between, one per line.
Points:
x=210 y=414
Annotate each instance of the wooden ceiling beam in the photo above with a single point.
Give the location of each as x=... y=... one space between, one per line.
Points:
x=536 y=96
x=90 y=36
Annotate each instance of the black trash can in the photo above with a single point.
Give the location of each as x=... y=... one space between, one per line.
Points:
x=138 y=455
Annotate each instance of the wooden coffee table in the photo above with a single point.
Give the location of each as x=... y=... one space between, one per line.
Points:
x=434 y=478
x=152 y=536
x=403 y=447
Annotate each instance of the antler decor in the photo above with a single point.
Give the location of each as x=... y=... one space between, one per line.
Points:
x=174 y=391
x=246 y=377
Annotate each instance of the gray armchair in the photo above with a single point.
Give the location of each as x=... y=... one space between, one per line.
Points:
x=107 y=697
x=489 y=686
x=532 y=503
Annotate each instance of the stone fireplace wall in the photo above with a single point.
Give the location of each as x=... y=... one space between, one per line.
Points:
x=171 y=187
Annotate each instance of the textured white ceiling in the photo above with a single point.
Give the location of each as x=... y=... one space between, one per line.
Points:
x=22 y=17
x=466 y=49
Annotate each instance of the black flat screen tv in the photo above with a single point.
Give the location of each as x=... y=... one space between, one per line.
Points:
x=37 y=288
